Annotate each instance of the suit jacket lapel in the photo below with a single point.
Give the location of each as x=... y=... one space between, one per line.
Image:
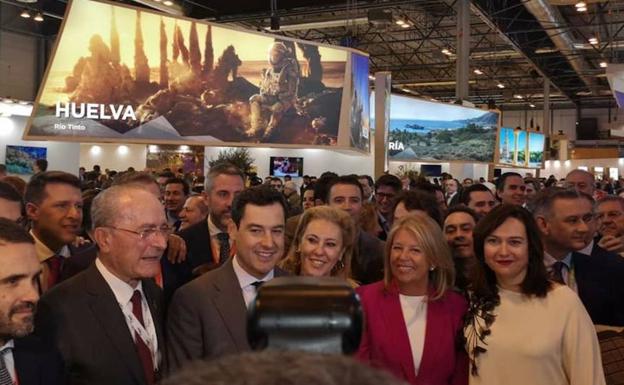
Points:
x=27 y=365
x=231 y=305
x=106 y=310
x=397 y=333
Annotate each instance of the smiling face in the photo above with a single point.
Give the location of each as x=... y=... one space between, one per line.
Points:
x=321 y=248
x=409 y=264
x=458 y=228
x=174 y=197
x=58 y=217
x=506 y=252
x=19 y=289
x=260 y=238
x=513 y=192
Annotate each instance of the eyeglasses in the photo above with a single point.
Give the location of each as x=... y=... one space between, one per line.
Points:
x=150 y=233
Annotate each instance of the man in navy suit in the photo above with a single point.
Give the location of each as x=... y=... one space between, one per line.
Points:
x=23 y=358
x=209 y=243
x=566 y=220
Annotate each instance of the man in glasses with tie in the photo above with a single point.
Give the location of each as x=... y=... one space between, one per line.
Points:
x=566 y=220
x=207 y=317
x=24 y=359
x=107 y=321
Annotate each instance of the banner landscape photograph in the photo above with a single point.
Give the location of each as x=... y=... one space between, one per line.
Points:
x=429 y=131
x=127 y=74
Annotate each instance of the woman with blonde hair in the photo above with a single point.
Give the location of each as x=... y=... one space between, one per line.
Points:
x=413 y=319
x=322 y=245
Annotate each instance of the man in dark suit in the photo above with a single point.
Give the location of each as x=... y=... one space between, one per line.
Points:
x=24 y=359
x=54 y=207
x=207 y=317
x=566 y=220
x=209 y=243
x=345 y=193
x=107 y=321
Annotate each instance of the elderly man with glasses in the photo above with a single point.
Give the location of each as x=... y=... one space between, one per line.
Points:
x=107 y=321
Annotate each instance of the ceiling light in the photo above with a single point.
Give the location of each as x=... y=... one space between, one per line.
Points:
x=405 y=25
x=400 y=22
x=25 y=14
x=500 y=85
x=518 y=96
x=581 y=9
x=593 y=40
x=371 y=77
x=603 y=64
x=580 y=4
x=38 y=17
x=532 y=105
x=168 y=3
x=478 y=71
x=446 y=51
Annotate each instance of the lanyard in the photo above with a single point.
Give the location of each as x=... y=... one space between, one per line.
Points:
x=141 y=331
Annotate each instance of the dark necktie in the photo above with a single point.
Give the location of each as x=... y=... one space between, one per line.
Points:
x=5 y=376
x=55 y=264
x=144 y=353
x=257 y=285
x=557 y=272
x=224 y=247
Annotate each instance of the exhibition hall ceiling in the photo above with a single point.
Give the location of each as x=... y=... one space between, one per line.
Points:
x=515 y=44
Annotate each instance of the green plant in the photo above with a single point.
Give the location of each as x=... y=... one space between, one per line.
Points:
x=239 y=157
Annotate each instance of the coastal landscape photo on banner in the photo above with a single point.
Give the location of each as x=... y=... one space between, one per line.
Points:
x=430 y=131
x=127 y=74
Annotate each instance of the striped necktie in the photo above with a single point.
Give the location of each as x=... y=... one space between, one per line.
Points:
x=5 y=376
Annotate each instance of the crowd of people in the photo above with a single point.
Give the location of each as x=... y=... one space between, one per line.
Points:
x=127 y=278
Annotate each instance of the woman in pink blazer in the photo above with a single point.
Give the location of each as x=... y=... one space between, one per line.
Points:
x=413 y=319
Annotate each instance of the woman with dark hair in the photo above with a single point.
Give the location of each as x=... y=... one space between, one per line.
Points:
x=522 y=328
x=413 y=317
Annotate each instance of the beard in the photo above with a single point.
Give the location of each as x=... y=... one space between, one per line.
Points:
x=13 y=328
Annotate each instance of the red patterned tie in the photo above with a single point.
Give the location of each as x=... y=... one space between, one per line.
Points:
x=144 y=353
x=55 y=263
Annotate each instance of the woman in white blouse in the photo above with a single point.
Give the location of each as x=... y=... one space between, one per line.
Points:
x=522 y=328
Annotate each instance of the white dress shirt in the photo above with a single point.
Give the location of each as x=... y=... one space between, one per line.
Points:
x=9 y=360
x=123 y=293
x=246 y=280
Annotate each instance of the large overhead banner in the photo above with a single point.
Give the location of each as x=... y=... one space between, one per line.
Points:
x=615 y=76
x=421 y=130
x=126 y=74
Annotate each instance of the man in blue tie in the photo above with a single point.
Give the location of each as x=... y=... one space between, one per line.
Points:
x=565 y=218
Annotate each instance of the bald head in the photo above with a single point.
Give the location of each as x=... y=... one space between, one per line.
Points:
x=581 y=181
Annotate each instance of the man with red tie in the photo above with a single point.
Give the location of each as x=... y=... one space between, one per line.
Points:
x=107 y=320
x=54 y=207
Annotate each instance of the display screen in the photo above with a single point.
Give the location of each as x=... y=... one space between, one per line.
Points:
x=520 y=148
x=282 y=166
x=536 y=149
x=422 y=130
x=428 y=170
x=20 y=159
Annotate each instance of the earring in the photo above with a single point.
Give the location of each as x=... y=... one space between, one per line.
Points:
x=340 y=265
